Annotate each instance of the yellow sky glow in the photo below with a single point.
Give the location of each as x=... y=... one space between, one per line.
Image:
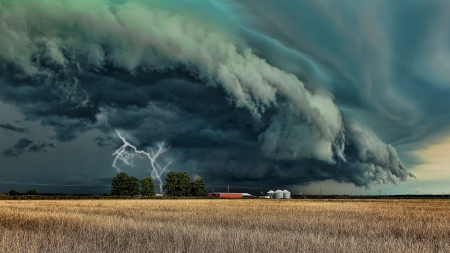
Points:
x=436 y=162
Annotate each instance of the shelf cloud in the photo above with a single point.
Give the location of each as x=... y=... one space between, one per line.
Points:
x=255 y=99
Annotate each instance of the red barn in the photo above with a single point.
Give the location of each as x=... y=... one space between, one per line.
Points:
x=225 y=195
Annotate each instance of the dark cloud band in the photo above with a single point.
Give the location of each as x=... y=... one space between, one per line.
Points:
x=159 y=73
x=10 y=127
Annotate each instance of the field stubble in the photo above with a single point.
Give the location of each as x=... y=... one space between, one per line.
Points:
x=225 y=226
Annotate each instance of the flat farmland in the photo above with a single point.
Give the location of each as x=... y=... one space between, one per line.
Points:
x=213 y=225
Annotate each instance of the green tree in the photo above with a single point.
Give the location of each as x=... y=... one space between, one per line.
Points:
x=133 y=186
x=178 y=184
x=147 y=186
x=14 y=192
x=198 y=187
x=32 y=192
x=171 y=183
x=183 y=184
x=122 y=184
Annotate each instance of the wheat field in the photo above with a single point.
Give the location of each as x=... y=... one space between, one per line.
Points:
x=212 y=225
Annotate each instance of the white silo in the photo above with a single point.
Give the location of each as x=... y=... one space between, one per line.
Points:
x=270 y=193
x=278 y=194
x=286 y=194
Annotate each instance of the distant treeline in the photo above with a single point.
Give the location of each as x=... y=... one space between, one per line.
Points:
x=178 y=184
x=50 y=196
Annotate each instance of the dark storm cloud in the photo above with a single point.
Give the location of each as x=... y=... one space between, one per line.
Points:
x=10 y=127
x=18 y=148
x=40 y=147
x=25 y=144
x=102 y=141
x=390 y=71
x=218 y=90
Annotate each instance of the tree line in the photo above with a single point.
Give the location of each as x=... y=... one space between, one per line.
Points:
x=178 y=184
x=16 y=192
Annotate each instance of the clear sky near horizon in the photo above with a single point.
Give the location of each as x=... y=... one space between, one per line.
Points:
x=330 y=97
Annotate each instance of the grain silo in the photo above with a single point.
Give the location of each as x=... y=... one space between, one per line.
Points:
x=270 y=193
x=278 y=194
x=286 y=194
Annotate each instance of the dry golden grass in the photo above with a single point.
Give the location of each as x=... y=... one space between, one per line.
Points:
x=224 y=226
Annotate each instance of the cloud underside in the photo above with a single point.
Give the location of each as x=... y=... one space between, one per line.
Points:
x=26 y=145
x=10 y=127
x=160 y=74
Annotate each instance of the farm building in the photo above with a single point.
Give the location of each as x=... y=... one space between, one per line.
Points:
x=226 y=195
x=279 y=194
x=231 y=195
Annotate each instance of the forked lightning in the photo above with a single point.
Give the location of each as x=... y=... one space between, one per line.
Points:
x=127 y=152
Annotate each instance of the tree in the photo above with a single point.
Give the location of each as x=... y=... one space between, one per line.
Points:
x=178 y=184
x=14 y=192
x=147 y=186
x=171 y=183
x=198 y=187
x=183 y=184
x=31 y=192
x=133 y=186
x=122 y=184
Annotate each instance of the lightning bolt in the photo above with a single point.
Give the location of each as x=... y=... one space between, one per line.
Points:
x=127 y=153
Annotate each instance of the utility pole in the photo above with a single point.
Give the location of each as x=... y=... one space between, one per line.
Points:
x=228 y=191
x=160 y=189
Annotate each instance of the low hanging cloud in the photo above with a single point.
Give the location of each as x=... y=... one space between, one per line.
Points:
x=102 y=141
x=38 y=147
x=10 y=127
x=18 y=148
x=26 y=145
x=159 y=72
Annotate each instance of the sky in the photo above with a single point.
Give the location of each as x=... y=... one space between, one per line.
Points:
x=317 y=97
